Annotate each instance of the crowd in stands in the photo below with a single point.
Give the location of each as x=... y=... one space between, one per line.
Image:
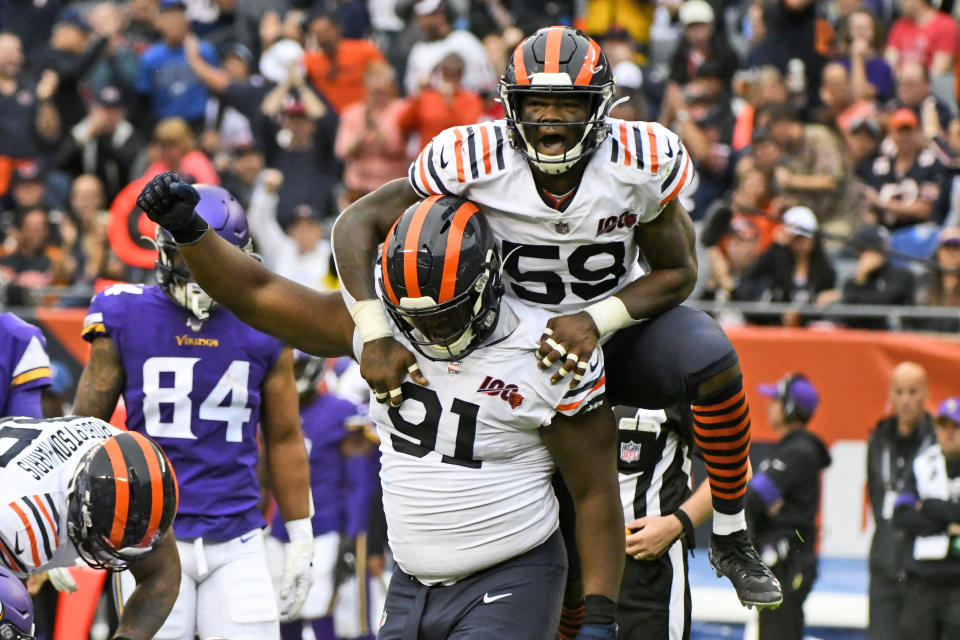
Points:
x=824 y=132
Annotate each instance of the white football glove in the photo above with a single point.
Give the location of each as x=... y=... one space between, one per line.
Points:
x=61 y=579
x=297 y=569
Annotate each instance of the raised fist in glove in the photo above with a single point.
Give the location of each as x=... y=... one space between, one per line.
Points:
x=297 y=568
x=171 y=203
x=598 y=632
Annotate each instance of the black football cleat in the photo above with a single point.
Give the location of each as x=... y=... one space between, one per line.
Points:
x=733 y=556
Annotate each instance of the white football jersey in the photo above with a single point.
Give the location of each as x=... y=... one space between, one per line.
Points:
x=465 y=474
x=37 y=461
x=561 y=261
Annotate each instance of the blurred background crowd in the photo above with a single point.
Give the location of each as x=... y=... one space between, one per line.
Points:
x=825 y=132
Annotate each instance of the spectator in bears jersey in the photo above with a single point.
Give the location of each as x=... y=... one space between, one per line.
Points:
x=783 y=499
x=905 y=186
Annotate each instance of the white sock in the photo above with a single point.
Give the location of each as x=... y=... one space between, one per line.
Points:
x=725 y=523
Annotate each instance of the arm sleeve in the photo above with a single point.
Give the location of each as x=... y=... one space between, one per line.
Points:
x=74 y=69
x=94 y=323
x=943 y=511
x=262 y=216
x=444 y=164
x=914 y=522
x=31 y=364
x=785 y=470
x=25 y=402
x=670 y=160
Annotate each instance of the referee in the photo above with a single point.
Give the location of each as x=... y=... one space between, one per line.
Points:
x=660 y=512
x=783 y=498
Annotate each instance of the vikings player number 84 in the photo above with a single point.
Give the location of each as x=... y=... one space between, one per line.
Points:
x=169 y=381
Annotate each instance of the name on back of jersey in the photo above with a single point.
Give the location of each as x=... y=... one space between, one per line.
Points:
x=38 y=455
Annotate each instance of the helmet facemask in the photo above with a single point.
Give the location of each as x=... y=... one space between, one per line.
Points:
x=523 y=132
x=454 y=329
x=175 y=279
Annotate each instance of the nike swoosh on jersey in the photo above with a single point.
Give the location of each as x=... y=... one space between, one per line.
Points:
x=16 y=544
x=669 y=151
x=443 y=161
x=487 y=598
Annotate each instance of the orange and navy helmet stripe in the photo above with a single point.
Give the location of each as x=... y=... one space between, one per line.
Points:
x=589 y=65
x=556 y=50
x=411 y=247
x=451 y=258
x=121 y=505
x=141 y=503
x=388 y=288
x=156 y=488
x=551 y=57
x=519 y=65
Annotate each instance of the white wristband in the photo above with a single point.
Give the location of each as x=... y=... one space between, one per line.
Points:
x=298 y=530
x=610 y=314
x=371 y=319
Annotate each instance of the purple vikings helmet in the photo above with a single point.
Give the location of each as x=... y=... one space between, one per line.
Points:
x=225 y=216
x=16 y=609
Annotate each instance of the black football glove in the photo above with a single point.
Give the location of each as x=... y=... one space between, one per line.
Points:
x=171 y=203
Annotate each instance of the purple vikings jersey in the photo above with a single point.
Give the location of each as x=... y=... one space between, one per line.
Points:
x=24 y=367
x=197 y=393
x=341 y=486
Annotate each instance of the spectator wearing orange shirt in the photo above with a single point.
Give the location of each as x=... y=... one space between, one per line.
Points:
x=337 y=66
x=369 y=141
x=445 y=105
